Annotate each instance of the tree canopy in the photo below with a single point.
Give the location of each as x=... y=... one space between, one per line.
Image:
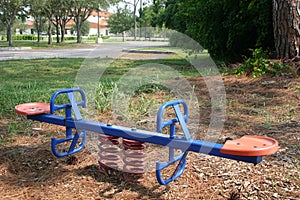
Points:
x=9 y=11
x=121 y=21
x=228 y=29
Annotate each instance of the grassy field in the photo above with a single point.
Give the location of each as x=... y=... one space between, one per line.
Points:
x=44 y=43
x=36 y=80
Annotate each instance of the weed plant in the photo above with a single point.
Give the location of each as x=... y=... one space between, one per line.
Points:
x=258 y=65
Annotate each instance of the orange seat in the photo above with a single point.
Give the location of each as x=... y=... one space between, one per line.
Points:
x=32 y=108
x=250 y=146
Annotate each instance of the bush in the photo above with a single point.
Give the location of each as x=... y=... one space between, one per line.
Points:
x=104 y=37
x=227 y=29
x=259 y=65
x=94 y=37
x=24 y=37
x=68 y=38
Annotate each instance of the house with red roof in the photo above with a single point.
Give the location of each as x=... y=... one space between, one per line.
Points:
x=97 y=21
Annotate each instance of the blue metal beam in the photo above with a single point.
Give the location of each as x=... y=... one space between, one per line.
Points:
x=197 y=146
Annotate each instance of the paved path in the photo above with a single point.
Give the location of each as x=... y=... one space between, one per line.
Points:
x=111 y=50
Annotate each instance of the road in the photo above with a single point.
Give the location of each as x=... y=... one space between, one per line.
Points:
x=111 y=50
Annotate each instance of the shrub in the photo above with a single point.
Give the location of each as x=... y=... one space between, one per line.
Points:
x=92 y=37
x=24 y=37
x=258 y=65
x=68 y=38
x=104 y=37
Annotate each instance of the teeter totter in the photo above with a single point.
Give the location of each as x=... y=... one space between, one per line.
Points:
x=248 y=148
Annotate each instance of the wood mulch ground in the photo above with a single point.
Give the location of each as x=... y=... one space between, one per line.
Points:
x=263 y=106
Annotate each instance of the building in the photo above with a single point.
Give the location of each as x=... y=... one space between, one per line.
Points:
x=100 y=18
x=97 y=20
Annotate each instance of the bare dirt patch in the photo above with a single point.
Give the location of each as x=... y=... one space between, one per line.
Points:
x=263 y=106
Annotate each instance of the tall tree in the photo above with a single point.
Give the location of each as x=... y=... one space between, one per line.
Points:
x=134 y=4
x=172 y=16
x=49 y=10
x=81 y=10
x=9 y=11
x=65 y=17
x=157 y=8
x=229 y=29
x=36 y=11
x=286 y=19
x=121 y=21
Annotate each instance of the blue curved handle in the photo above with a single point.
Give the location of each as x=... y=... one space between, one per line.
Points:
x=178 y=171
x=54 y=107
x=72 y=149
x=182 y=119
x=161 y=124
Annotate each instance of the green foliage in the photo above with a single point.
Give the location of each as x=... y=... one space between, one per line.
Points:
x=24 y=37
x=94 y=37
x=259 y=65
x=105 y=37
x=70 y=38
x=84 y=28
x=9 y=12
x=173 y=17
x=228 y=29
x=151 y=88
x=151 y=16
x=103 y=97
x=121 y=21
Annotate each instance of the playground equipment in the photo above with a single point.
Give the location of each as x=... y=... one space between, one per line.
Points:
x=249 y=149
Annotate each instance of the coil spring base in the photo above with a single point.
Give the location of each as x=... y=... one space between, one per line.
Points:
x=109 y=160
x=134 y=160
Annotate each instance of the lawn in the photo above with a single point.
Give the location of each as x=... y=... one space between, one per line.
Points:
x=263 y=106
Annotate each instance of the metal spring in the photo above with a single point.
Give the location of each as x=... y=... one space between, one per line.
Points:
x=134 y=160
x=108 y=153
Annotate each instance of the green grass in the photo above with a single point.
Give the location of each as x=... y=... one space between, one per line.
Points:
x=44 y=43
x=35 y=80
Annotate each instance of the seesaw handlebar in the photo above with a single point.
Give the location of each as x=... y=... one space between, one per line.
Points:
x=54 y=107
x=161 y=124
x=177 y=172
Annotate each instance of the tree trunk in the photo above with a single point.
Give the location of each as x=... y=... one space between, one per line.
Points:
x=9 y=35
x=57 y=28
x=50 y=33
x=62 y=31
x=78 y=29
x=38 y=29
x=37 y=23
x=134 y=12
x=38 y=37
x=286 y=21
